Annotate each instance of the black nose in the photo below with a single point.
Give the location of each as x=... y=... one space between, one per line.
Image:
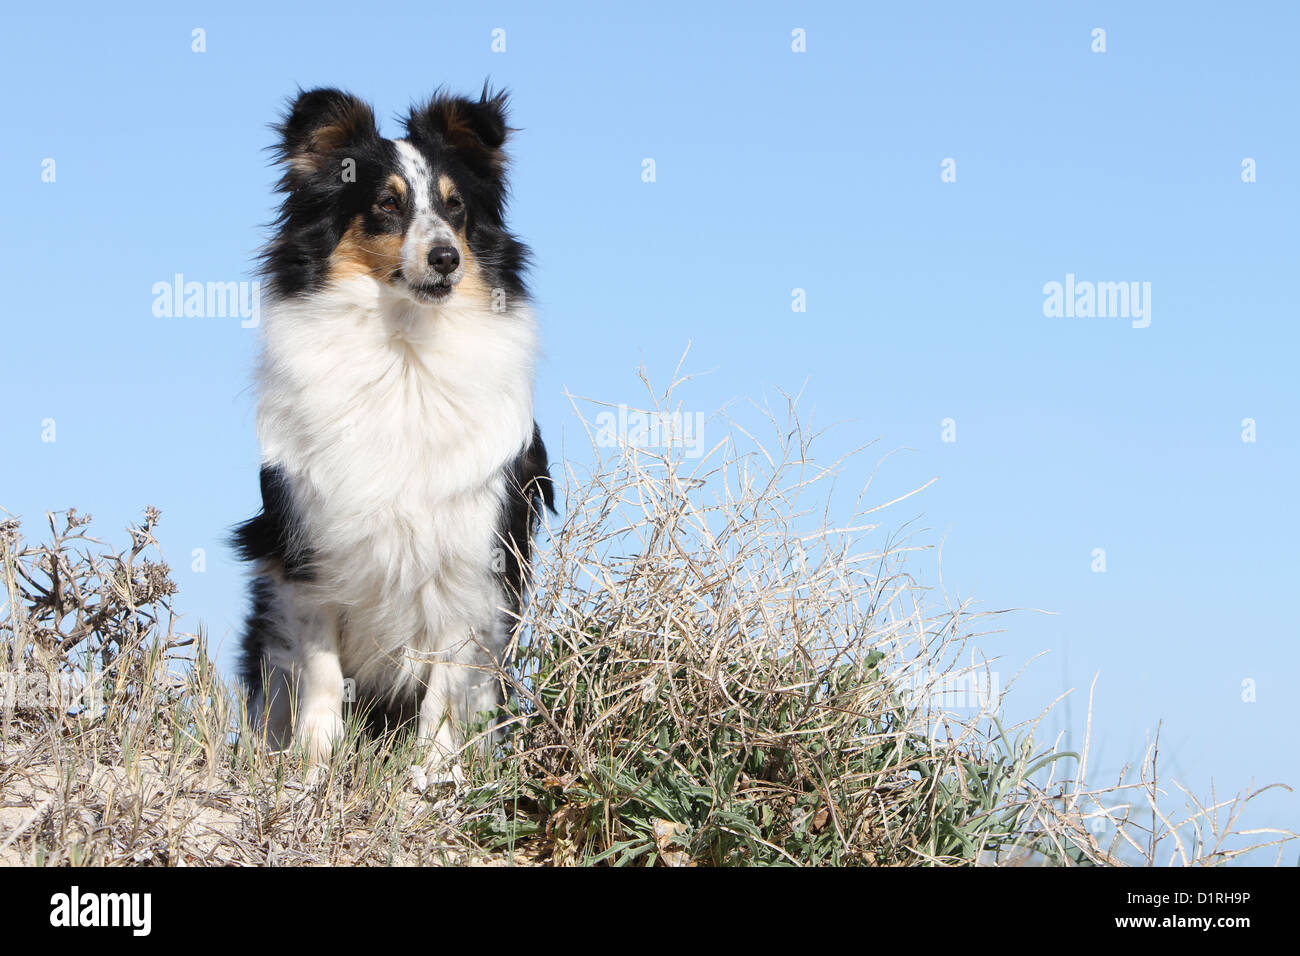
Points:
x=444 y=259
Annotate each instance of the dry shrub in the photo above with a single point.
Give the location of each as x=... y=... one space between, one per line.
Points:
x=715 y=673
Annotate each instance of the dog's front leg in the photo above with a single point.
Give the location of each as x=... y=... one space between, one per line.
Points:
x=439 y=740
x=319 y=722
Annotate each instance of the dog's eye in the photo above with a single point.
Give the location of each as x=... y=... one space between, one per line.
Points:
x=454 y=202
x=390 y=204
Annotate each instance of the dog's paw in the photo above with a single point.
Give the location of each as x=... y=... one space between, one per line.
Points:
x=318 y=734
x=316 y=775
x=424 y=779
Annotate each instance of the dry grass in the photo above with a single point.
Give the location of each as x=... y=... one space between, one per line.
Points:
x=712 y=673
x=119 y=740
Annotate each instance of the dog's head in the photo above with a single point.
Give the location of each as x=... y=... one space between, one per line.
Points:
x=423 y=214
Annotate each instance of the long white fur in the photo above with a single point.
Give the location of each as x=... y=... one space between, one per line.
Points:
x=393 y=422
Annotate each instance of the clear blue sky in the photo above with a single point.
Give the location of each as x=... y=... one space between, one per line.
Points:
x=775 y=170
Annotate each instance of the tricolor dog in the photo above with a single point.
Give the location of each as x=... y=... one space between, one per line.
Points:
x=402 y=473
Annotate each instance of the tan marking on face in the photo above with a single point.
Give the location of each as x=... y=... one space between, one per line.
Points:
x=359 y=254
x=472 y=283
x=445 y=186
x=399 y=187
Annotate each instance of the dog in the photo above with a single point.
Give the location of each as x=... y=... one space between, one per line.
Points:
x=403 y=475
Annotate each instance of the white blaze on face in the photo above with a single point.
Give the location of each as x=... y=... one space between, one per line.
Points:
x=427 y=228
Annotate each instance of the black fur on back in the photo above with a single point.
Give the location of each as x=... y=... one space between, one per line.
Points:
x=528 y=489
x=274 y=539
x=274 y=534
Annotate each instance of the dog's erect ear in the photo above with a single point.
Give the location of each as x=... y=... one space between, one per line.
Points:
x=320 y=125
x=476 y=129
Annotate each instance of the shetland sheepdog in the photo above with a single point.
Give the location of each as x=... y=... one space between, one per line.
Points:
x=403 y=475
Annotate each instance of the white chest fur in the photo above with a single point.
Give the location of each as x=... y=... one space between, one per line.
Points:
x=393 y=424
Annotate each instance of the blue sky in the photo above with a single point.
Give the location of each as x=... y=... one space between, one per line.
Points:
x=775 y=170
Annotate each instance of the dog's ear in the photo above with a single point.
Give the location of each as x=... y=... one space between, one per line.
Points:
x=476 y=129
x=322 y=124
